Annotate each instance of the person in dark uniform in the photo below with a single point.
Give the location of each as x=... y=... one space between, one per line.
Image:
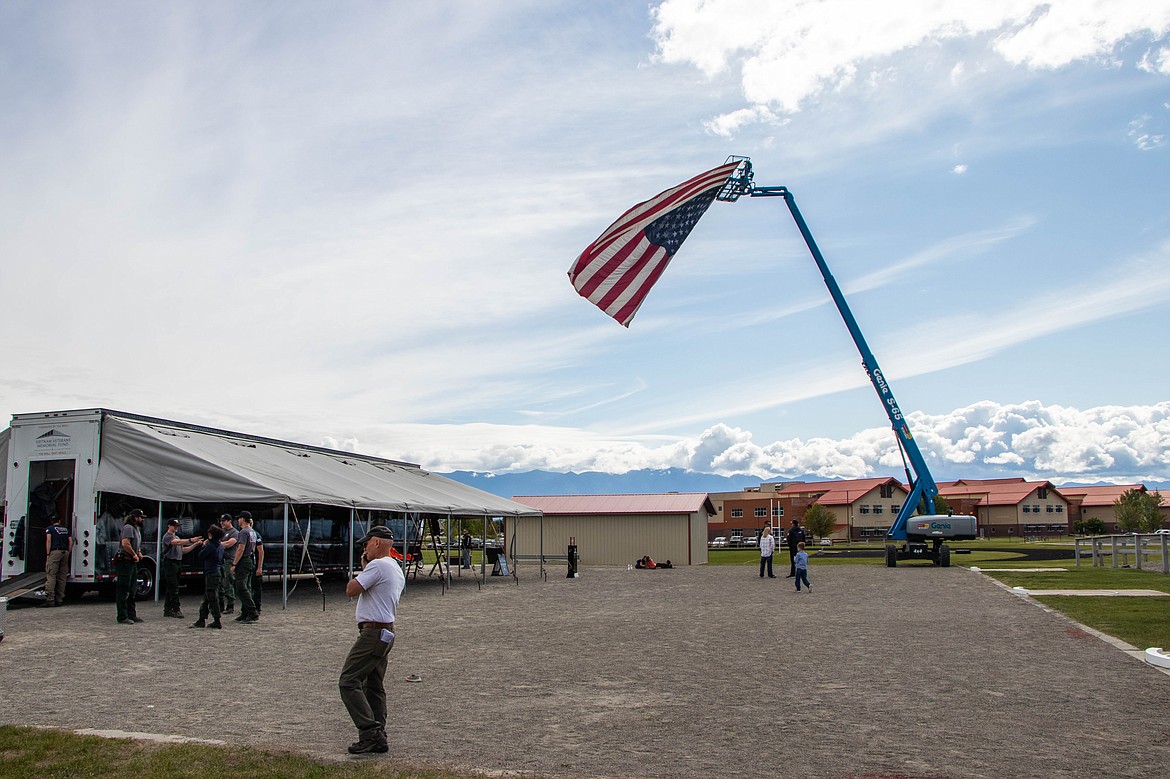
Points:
x=211 y=559
x=377 y=587
x=126 y=568
x=258 y=576
x=243 y=566
x=227 y=580
x=794 y=539
x=465 y=550
x=172 y=559
x=58 y=553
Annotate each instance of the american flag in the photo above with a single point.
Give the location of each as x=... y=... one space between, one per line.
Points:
x=616 y=271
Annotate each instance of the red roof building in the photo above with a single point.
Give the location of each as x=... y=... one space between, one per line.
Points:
x=864 y=508
x=1009 y=507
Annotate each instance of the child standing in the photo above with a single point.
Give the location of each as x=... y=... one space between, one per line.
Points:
x=801 y=561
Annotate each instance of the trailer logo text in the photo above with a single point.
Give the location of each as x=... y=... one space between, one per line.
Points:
x=53 y=442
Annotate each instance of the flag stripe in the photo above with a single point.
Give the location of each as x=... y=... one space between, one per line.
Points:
x=641 y=215
x=617 y=270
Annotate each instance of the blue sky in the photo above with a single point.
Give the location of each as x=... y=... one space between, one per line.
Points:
x=350 y=224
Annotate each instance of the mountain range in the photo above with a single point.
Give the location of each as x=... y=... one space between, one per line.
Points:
x=645 y=481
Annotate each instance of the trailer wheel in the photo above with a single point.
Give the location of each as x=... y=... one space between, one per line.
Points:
x=944 y=556
x=144 y=581
x=891 y=556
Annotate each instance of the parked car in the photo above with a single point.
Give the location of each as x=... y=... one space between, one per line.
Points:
x=751 y=541
x=735 y=541
x=1162 y=532
x=719 y=541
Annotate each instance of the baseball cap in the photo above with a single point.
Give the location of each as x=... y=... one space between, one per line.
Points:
x=136 y=513
x=380 y=531
x=222 y=517
x=244 y=515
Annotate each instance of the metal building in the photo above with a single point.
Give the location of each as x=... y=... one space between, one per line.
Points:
x=615 y=529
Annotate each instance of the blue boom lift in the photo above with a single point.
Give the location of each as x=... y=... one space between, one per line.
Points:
x=913 y=535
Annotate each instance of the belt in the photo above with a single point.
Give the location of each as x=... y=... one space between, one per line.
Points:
x=384 y=625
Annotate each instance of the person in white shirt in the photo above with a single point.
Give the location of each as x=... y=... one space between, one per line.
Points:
x=767 y=547
x=378 y=587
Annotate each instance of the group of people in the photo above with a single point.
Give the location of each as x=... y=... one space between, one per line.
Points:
x=231 y=558
x=795 y=539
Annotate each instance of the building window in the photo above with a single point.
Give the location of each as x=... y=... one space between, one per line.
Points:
x=736 y=513
x=886 y=490
x=1035 y=509
x=777 y=511
x=1027 y=508
x=877 y=509
x=895 y=508
x=863 y=509
x=1060 y=509
x=1049 y=508
x=1042 y=493
x=761 y=511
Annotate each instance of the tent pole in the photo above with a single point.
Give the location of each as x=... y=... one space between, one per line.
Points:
x=284 y=562
x=447 y=573
x=158 y=552
x=352 y=511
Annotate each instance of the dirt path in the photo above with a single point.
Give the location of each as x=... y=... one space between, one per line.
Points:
x=694 y=672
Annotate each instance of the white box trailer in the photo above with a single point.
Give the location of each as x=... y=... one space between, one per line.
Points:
x=51 y=465
x=89 y=467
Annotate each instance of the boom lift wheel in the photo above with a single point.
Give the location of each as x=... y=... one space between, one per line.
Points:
x=944 y=556
x=891 y=556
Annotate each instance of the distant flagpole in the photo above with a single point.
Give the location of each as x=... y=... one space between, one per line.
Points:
x=617 y=270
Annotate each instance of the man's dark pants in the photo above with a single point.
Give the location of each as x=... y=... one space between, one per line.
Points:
x=227 y=584
x=126 y=571
x=244 y=570
x=257 y=588
x=361 y=683
x=766 y=560
x=210 y=602
x=170 y=586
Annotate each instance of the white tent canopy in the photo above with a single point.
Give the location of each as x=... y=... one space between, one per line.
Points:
x=170 y=461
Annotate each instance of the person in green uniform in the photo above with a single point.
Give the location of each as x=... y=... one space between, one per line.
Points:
x=258 y=576
x=243 y=566
x=227 y=580
x=172 y=559
x=126 y=568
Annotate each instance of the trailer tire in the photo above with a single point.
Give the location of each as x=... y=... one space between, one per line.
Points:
x=944 y=556
x=144 y=580
x=891 y=556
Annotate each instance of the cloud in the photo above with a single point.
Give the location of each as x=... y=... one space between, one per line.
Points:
x=789 y=53
x=1116 y=444
x=959 y=169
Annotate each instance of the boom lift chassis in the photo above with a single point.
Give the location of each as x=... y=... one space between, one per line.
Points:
x=923 y=537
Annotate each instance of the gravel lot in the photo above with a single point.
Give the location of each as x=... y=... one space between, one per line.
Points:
x=693 y=672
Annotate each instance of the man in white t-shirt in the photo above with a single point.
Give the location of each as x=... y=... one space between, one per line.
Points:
x=378 y=586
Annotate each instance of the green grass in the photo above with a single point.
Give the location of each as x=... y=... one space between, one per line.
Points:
x=34 y=752
x=1143 y=622
x=1086 y=578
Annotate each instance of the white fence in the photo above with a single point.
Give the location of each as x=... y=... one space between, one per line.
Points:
x=1148 y=551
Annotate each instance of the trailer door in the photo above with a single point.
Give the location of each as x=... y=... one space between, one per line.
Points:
x=50 y=495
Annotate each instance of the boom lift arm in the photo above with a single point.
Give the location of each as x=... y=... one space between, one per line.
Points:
x=923 y=487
